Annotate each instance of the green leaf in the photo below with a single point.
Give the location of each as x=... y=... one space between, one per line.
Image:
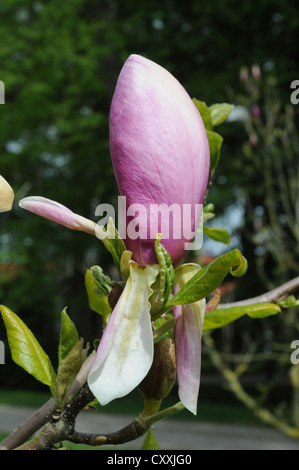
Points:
x=166 y=270
x=207 y=279
x=150 y=441
x=163 y=328
x=97 y=302
x=68 y=336
x=163 y=286
x=213 y=116
x=220 y=112
x=112 y=241
x=103 y=283
x=215 y=143
x=208 y=213
x=217 y=234
x=26 y=350
x=68 y=371
x=289 y=302
x=221 y=317
x=205 y=113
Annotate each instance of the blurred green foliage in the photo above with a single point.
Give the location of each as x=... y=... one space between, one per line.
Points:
x=59 y=63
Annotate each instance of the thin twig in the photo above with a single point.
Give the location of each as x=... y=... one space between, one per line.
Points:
x=271 y=296
x=235 y=386
x=62 y=427
x=29 y=426
x=129 y=433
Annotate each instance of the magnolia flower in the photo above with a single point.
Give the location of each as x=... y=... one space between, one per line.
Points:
x=6 y=195
x=187 y=340
x=160 y=155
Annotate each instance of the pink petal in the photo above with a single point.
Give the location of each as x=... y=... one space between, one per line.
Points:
x=58 y=213
x=159 y=151
x=187 y=339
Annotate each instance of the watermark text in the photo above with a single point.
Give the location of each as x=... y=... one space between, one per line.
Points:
x=295 y=94
x=137 y=221
x=295 y=353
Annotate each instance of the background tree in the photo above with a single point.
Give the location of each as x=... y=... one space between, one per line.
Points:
x=59 y=62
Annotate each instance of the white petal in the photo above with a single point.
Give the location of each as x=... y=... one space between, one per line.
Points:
x=6 y=195
x=125 y=353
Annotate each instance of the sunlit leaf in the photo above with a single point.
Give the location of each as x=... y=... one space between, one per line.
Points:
x=208 y=213
x=26 y=350
x=289 y=302
x=97 y=302
x=221 y=317
x=215 y=143
x=205 y=113
x=220 y=112
x=217 y=234
x=207 y=279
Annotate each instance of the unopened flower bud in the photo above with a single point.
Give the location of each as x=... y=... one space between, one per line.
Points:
x=160 y=154
x=255 y=111
x=243 y=74
x=253 y=139
x=256 y=71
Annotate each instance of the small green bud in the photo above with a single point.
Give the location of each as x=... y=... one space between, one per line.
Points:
x=103 y=282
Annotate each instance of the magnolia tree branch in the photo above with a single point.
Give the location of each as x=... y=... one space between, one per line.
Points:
x=44 y=414
x=129 y=433
x=278 y=293
x=29 y=427
x=62 y=427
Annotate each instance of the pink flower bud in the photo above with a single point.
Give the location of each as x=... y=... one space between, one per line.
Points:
x=256 y=71
x=255 y=112
x=253 y=139
x=160 y=155
x=243 y=74
x=58 y=213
